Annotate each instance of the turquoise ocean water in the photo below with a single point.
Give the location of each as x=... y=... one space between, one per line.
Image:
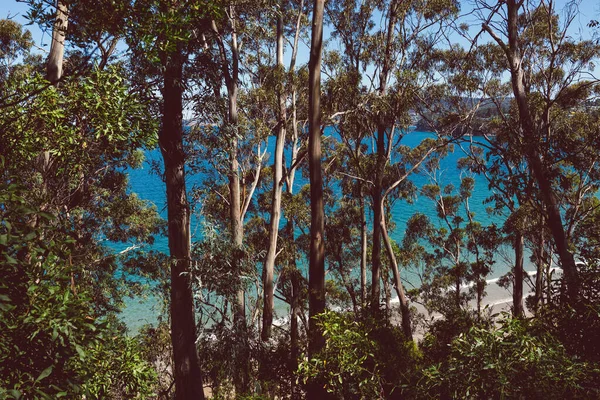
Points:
x=149 y=186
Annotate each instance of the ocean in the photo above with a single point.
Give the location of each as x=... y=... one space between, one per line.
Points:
x=149 y=186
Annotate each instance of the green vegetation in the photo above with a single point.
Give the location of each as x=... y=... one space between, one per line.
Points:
x=283 y=278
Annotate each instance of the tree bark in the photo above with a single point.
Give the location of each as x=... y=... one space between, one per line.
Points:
x=276 y=196
x=388 y=297
x=294 y=311
x=363 y=254
x=404 y=306
x=316 y=272
x=187 y=374
x=518 y=274
x=54 y=66
x=539 y=277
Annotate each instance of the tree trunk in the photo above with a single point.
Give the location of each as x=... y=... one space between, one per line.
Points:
x=54 y=67
x=316 y=271
x=276 y=197
x=187 y=374
x=241 y=379
x=377 y=194
x=294 y=311
x=363 y=254
x=518 y=274
x=533 y=157
x=376 y=249
x=539 y=277
x=388 y=297
x=404 y=306
x=295 y=307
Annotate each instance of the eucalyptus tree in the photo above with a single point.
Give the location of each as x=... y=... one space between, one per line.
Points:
x=372 y=104
x=297 y=91
x=316 y=267
x=91 y=128
x=548 y=69
x=290 y=17
x=462 y=250
x=166 y=40
x=352 y=24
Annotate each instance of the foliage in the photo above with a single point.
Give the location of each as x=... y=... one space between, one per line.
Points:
x=441 y=332
x=118 y=369
x=508 y=362
x=576 y=325
x=71 y=147
x=347 y=365
x=460 y=250
x=52 y=342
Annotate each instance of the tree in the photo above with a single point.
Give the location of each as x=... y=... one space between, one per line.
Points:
x=534 y=126
x=51 y=332
x=57 y=47
x=166 y=39
x=316 y=271
x=187 y=374
x=277 y=189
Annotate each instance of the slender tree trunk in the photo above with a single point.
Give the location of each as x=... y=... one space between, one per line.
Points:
x=363 y=254
x=241 y=379
x=294 y=311
x=187 y=374
x=54 y=67
x=404 y=306
x=539 y=277
x=518 y=274
x=295 y=307
x=376 y=248
x=377 y=194
x=316 y=271
x=388 y=297
x=237 y=230
x=457 y=290
x=533 y=157
x=276 y=196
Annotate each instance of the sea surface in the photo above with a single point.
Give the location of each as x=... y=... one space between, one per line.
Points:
x=149 y=186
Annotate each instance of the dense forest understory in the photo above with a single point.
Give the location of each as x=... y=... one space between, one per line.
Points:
x=287 y=272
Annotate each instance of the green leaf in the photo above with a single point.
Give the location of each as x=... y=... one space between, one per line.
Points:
x=44 y=373
x=80 y=352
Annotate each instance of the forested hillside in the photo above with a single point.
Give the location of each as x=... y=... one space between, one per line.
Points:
x=282 y=263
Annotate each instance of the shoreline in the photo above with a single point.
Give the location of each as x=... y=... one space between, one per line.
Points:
x=139 y=312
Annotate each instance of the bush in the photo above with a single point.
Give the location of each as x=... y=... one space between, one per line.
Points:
x=52 y=343
x=509 y=362
x=347 y=365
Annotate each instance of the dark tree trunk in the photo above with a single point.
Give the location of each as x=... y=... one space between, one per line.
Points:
x=363 y=254
x=518 y=274
x=539 y=277
x=376 y=249
x=316 y=271
x=294 y=311
x=187 y=374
